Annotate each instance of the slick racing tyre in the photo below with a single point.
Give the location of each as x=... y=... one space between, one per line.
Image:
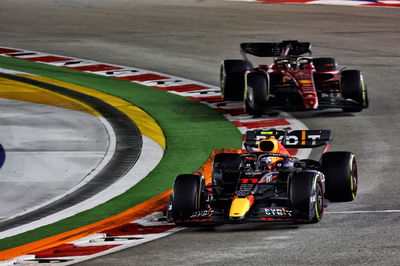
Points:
x=341 y=177
x=325 y=64
x=256 y=93
x=307 y=196
x=232 y=79
x=353 y=87
x=187 y=197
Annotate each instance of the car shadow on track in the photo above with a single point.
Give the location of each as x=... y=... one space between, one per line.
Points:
x=228 y=228
x=321 y=114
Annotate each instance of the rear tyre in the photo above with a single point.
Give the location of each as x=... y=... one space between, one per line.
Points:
x=256 y=93
x=353 y=87
x=307 y=195
x=341 y=177
x=232 y=79
x=186 y=197
x=325 y=64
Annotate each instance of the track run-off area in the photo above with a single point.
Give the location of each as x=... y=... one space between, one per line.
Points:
x=189 y=39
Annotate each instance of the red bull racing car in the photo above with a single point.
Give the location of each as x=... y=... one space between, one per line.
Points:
x=294 y=80
x=263 y=183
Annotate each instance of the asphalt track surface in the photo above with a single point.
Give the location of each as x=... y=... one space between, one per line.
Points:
x=190 y=39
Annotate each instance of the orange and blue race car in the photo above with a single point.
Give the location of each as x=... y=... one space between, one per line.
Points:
x=294 y=80
x=264 y=183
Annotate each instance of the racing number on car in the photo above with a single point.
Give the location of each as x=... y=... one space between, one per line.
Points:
x=248 y=180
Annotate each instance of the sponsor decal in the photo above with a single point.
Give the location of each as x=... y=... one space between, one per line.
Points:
x=244 y=190
x=202 y=214
x=278 y=212
x=313 y=198
x=294 y=140
x=269 y=177
x=304 y=77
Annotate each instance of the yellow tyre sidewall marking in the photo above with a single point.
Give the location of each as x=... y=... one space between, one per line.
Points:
x=351 y=177
x=316 y=208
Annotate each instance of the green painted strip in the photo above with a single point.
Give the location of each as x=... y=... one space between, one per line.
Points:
x=192 y=130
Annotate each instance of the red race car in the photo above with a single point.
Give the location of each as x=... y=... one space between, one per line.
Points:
x=294 y=81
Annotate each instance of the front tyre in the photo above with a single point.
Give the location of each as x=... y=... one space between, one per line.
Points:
x=232 y=78
x=186 y=197
x=306 y=195
x=353 y=87
x=256 y=93
x=341 y=176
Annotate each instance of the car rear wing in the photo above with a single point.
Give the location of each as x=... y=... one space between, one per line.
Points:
x=273 y=49
x=293 y=139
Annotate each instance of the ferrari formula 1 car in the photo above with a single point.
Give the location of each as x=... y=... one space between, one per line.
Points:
x=257 y=184
x=294 y=80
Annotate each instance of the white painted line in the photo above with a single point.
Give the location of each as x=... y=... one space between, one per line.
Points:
x=90 y=239
x=328 y=2
x=27 y=55
x=277 y=238
x=22 y=260
x=120 y=73
x=362 y=212
x=71 y=63
x=12 y=72
x=165 y=83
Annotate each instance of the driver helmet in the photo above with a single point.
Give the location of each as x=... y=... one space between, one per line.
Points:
x=266 y=163
x=270 y=145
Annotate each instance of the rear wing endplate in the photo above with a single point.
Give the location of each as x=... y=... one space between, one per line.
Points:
x=294 y=139
x=273 y=49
